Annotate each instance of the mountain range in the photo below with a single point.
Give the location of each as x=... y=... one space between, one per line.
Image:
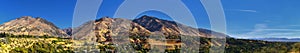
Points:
x=140 y=31
x=105 y=27
x=147 y=25
x=278 y=39
x=102 y=30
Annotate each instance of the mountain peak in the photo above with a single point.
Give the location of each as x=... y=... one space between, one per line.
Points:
x=31 y=26
x=26 y=18
x=147 y=17
x=30 y=18
x=168 y=27
x=104 y=19
x=155 y=24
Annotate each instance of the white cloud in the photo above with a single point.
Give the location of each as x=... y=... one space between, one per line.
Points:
x=258 y=28
x=262 y=31
x=294 y=25
x=282 y=30
x=248 y=10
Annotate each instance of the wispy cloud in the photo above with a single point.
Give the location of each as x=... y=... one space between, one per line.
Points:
x=254 y=11
x=262 y=30
x=294 y=25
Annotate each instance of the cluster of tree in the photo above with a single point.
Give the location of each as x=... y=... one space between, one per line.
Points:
x=34 y=47
x=257 y=46
x=40 y=47
x=140 y=43
x=28 y=36
x=242 y=45
x=5 y=34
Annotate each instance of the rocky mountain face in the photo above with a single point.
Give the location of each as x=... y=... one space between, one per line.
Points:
x=28 y=25
x=167 y=27
x=102 y=29
x=154 y=24
x=68 y=31
x=105 y=29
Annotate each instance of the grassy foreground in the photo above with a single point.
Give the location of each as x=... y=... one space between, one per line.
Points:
x=47 y=44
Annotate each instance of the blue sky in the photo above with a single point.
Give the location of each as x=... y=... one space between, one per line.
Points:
x=58 y=11
x=245 y=18
x=262 y=18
